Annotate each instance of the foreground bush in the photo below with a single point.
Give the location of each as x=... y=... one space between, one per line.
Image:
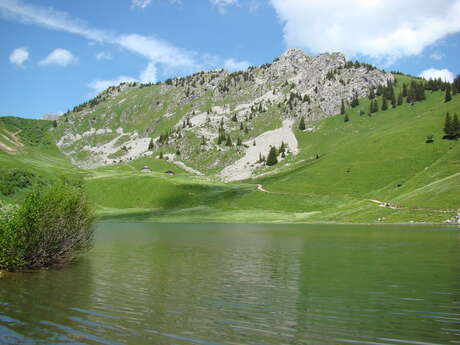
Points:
x=52 y=227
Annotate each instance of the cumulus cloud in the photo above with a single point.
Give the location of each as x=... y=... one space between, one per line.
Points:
x=437 y=56
x=222 y=5
x=100 y=85
x=140 y=3
x=234 y=65
x=60 y=57
x=19 y=56
x=148 y=75
x=433 y=73
x=103 y=56
x=158 y=53
x=380 y=29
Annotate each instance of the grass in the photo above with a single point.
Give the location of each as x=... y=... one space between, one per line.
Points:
x=379 y=157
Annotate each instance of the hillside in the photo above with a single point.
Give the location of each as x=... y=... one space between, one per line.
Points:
x=194 y=119
x=211 y=128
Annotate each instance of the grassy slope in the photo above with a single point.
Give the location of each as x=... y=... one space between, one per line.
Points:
x=365 y=158
x=37 y=154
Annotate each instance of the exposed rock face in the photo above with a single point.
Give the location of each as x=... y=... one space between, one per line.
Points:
x=187 y=115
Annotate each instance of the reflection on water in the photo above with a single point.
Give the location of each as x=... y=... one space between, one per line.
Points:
x=244 y=284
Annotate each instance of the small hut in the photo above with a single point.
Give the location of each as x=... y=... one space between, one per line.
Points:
x=145 y=169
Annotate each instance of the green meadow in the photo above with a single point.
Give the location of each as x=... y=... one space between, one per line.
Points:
x=342 y=171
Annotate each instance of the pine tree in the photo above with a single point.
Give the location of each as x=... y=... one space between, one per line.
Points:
x=448 y=96
x=375 y=106
x=55 y=124
x=455 y=127
x=404 y=90
x=342 y=108
x=371 y=93
x=457 y=83
x=272 y=159
x=400 y=99
x=241 y=126
x=161 y=155
x=151 y=144
x=346 y=119
x=177 y=152
x=239 y=142
x=302 y=124
x=448 y=127
x=384 y=104
x=203 y=140
x=392 y=97
x=234 y=118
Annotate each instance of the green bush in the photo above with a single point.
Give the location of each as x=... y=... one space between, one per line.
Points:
x=52 y=227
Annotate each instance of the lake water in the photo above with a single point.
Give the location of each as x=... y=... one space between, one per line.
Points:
x=182 y=284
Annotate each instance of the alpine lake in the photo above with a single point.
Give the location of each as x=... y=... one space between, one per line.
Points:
x=257 y=284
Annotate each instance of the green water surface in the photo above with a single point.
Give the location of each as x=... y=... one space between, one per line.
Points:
x=146 y=283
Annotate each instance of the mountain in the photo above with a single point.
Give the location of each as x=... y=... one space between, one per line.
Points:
x=188 y=115
x=351 y=144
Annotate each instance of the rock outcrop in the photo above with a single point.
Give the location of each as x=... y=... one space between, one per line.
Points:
x=204 y=115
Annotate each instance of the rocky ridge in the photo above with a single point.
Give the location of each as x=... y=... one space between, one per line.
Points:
x=191 y=119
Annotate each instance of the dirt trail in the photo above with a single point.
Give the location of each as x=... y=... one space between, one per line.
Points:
x=380 y=203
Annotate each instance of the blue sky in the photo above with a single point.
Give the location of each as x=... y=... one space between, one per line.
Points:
x=56 y=54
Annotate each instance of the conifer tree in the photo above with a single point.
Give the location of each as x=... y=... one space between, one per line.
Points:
x=239 y=142
x=371 y=93
x=375 y=106
x=346 y=119
x=400 y=98
x=457 y=83
x=455 y=127
x=342 y=108
x=302 y=124
x=384 y=104
x=272 y=159
x=404 y=90
x=392 y=97
x=151 y=144
x=241 y=126
x=448 y=96
x=161 y=155
x=447 y=127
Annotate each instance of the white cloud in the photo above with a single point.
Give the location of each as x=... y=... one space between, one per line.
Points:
x=60 y=57
x=158 y=53
x=149 y=75
x=103 y=56
x=433 y=73
x=140 y=3
x=222 y=5
x=254 y=6
x=437 y=56
x=233 y=65
x=145 y=3
x=100 y=85
x=381 y=29
x=19 y=56
x=49 y=18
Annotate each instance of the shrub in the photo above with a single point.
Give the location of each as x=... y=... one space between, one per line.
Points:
x=52 y=227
